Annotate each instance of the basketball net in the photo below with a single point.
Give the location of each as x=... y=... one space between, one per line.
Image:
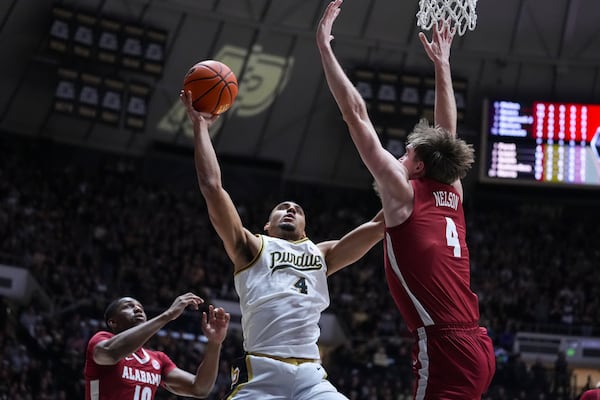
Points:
x=457 y=14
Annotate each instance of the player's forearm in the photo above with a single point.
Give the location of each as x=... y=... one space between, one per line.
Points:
x=355 y=244
x=207 y=371
x=348 y=99
x=127 y=342
x=445 y=102
x=208 y=171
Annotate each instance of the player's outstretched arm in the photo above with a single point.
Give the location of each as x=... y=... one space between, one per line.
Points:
x=390 y=175
x=438 y=50
x=238 y=241
x=214 y=325
x=353 y=245
x=110 y=351
x=348 y=99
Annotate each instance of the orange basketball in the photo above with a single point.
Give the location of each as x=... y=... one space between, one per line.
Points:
x=214 y=86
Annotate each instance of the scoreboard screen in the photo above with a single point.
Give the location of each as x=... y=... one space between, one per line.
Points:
x=541 y=143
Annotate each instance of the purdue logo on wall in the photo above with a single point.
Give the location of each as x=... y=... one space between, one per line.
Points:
x=264 y=77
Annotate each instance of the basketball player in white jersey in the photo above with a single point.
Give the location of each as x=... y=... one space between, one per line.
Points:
x=281 y=279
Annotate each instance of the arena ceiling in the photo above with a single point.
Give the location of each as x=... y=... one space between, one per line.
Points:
x=520 y=50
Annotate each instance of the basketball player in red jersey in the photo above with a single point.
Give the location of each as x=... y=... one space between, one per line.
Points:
x=117 y=367
x=426 y=257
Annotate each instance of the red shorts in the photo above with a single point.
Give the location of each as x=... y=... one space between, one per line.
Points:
x=453 y=362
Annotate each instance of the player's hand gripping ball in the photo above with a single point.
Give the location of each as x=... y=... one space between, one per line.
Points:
x=213 y=85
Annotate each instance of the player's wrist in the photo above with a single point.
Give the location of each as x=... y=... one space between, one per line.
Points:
x=168 y=315
x=214 y=344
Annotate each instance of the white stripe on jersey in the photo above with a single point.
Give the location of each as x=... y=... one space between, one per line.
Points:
x=423 y=358
x=425 y=317
x=95 y=389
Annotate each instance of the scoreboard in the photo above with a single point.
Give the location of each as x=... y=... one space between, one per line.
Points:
x=546 y=143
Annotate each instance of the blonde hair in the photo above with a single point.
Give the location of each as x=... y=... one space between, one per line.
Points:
x=446 y=158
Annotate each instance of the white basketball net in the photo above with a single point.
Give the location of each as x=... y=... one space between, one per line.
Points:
x=457 y=14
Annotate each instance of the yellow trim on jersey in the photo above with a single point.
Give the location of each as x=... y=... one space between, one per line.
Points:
x=289 y=360
x=304 y=239
x=240 y=386
x=256 y=257
x=262 y=246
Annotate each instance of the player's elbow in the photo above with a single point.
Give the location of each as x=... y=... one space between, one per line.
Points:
x=201 y=390
x=103 y=355
x=192 y=389
x=209 y=186
x=355 y=112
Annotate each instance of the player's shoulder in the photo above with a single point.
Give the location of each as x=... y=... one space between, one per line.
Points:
x=164 y=361
x=99 y=337
x=152 y=352
x=591 y=395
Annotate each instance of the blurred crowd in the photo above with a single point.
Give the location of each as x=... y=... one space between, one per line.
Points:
x=95 y=227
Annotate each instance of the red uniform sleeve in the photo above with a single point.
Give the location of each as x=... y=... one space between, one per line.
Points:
x=593 y=394
x=97 y=338
x=167 y=364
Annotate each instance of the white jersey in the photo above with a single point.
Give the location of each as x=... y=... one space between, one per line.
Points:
x=283 y=292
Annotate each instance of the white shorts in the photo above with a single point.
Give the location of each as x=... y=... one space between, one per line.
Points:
x=265 y=378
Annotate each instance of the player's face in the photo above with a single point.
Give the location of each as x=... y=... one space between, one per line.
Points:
x=411 y=162
x=287 y=221
x=129 y=314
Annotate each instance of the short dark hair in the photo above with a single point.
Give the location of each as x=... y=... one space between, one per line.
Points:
x=446 y=157
x=111 y=309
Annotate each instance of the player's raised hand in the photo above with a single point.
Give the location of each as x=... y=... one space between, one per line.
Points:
x=215 y=324
x=324 y=36
x=180 y=304
x=196 y=116
x=438 y=49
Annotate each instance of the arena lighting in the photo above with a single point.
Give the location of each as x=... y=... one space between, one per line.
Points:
x=132 y=47
x=111 y=104
x=136 y=109
x=410 y=95
x=405 y=94
x=65 y=93
x=107 y=100
x=88 y=96
x=387 y=90
x=99 y=57
x=60 y=30
x=410 y=89
x=84 y=35
x=364 y=81
x=154 y=51
x=108 y=45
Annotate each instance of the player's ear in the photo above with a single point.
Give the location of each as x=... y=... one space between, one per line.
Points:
x=111 y=324
x=266 y=227
x=420 y=166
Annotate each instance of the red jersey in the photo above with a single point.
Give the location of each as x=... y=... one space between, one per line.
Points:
x=427 y=260
x=135 y=377
x=593 y=394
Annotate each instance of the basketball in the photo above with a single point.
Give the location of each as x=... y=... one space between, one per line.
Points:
x=213 y=85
